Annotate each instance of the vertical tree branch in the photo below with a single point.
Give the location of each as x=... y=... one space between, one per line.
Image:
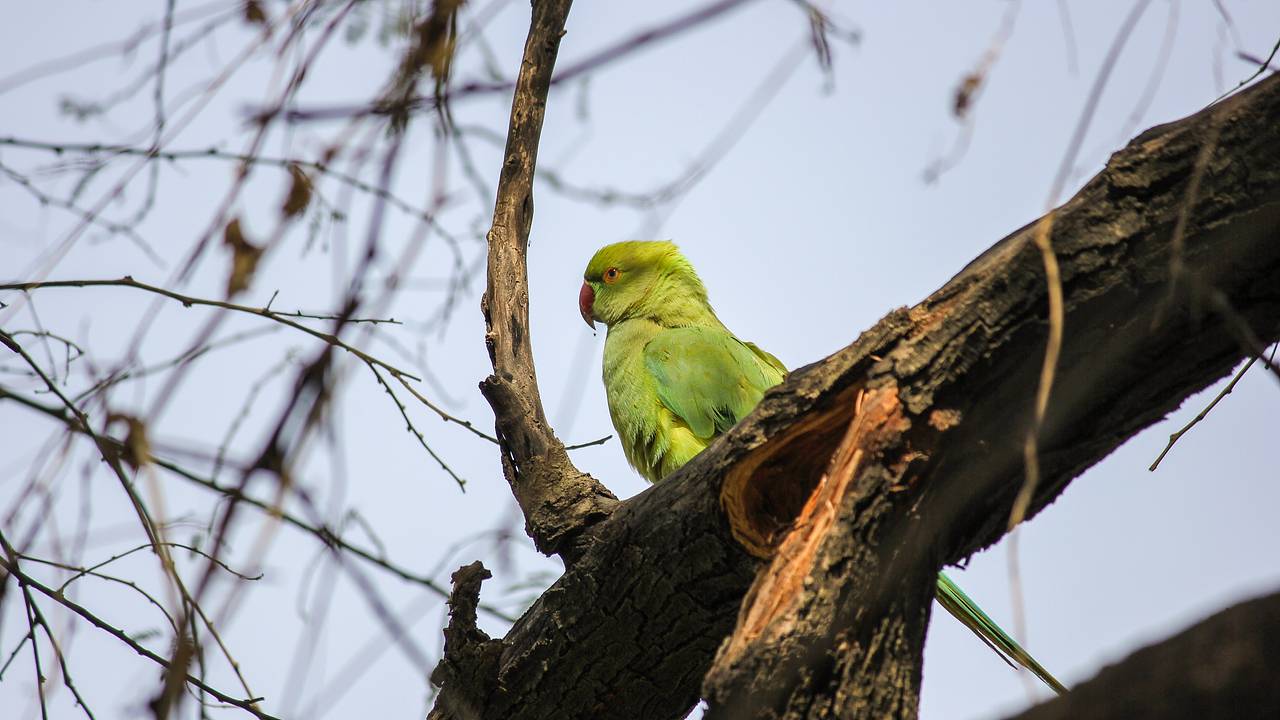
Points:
x=558 y=501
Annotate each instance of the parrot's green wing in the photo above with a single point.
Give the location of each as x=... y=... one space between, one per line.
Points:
x=707 y=377
x=951 y=597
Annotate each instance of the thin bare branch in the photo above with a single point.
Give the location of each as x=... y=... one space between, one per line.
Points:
x=594 y=61
x=213 y=153
x=283 y=318
x=422 y=440
x=579 y=446
x=1225 y=391
x=10 y=564
x=322 y=532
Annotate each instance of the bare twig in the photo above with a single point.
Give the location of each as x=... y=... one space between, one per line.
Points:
x=1043 y=233
x=35 y=651
x=58 y=654
x=113 y=459
x=85 y=216
x=68 y=345
x=1225 y=391
x=444 y=415
x=93 y=569
x=125 y=374
x=22 y=642
x=161 y=116
x=579 y=446
x=422 y=440
x=113 y=454
x=1251 y=58
x=44 y=264
x=212 y=153
x=594 y=61
x=1263 y=66
x=967 y=93
x=189 y=300
x=10 y=564
x=322 y=532
x=109 y=49
x=266 y=312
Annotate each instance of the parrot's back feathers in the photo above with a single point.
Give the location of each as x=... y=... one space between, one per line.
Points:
x=707 y=377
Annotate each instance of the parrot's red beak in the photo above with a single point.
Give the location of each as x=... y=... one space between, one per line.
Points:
x=586 y=301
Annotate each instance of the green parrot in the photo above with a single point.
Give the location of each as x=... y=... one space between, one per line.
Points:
x=675 y=378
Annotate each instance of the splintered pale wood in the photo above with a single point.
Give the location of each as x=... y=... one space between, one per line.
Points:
x=876 y=414
x=774 y=486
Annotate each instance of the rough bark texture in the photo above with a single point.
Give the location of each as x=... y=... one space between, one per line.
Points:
x=1223 y=668
x=960 y=371
x=470 y=655
x=558 y=501
x=911 y=437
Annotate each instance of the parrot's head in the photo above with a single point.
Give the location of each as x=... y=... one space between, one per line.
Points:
x=640 y=279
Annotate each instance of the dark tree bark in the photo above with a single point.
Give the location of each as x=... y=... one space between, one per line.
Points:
x=557 y=500
x=865 y=472
x=1221 y=669
x=1170 y=269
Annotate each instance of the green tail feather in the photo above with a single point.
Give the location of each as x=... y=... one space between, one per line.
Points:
x=951 y=597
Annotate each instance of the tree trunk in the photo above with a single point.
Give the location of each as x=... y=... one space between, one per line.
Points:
x=866 y=472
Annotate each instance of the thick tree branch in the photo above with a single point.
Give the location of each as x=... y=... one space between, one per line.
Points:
x=558 y=501
x=1169 y=260
x=1222 y=667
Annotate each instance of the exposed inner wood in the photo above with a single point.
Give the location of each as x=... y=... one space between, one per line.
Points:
x=877 y=417
x=765 y=492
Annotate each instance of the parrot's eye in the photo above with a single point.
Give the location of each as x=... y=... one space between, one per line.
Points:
x=611 y=275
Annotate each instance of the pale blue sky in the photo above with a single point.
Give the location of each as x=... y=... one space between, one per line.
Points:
x=811 y=228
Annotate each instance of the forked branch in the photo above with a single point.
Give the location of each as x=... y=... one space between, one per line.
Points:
x=558 y=501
